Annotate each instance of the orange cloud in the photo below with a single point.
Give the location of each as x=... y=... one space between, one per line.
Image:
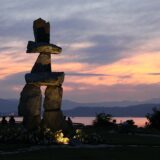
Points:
x=133 y=70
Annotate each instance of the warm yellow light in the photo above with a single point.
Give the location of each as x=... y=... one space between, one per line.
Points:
x=60 y=139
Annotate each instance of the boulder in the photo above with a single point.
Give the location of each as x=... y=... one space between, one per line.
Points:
x=32 y=122
x=41 y=30
x=53 y=116
x=53 y=98
x=34 y=47
x=30 y=105
x=43 y=63
x=54 y=120
x=47 y=79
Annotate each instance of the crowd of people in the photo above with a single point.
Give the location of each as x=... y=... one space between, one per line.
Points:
x=11 y=120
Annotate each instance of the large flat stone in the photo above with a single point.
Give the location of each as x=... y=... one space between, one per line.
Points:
x=35 y=47
x=53 y=78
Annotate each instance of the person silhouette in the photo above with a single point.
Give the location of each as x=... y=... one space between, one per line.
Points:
x=70 y=121
x=11 y=120
x=4 y=121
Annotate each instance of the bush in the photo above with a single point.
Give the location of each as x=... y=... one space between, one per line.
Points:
x=104 y=120
x=154 y=119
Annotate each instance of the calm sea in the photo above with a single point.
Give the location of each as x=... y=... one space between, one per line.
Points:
x=139 y=121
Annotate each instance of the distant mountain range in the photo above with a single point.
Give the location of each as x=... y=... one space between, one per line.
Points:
x=130 y=111
x=71 y=108
x=67 y=104
x=8 y=105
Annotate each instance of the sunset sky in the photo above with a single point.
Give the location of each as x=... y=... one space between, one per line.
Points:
x=111 y=48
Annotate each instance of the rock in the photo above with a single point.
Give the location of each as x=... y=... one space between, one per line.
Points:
x=53 y=98
x=30 y=105
x=53 y=78
x=41 y=30
x=30 y=100
x=34 y=47
x=32 y=122
x=43 y=63
x=53 y=117
x=54 y=120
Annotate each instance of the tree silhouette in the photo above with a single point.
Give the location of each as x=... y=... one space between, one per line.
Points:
x=104 y=120
x=154 y=118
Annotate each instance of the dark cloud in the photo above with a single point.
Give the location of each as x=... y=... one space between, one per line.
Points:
x=116 y=32
x=72 y=29
x=85 y=74
x=12 y=85
x=19 y=30
x=2 y=49
x=117 y=29
x=125 y=76
x=9 y=83
x=90 y=93
x=86 y=92
x=154 y=74
x=106 y=49
x=14 y=79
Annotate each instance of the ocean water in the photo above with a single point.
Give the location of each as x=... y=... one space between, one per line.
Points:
x=139 y=121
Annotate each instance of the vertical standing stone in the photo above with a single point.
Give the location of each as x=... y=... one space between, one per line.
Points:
x=41 y=30
x=30 y=106
x=53 y=117
x=53 y=97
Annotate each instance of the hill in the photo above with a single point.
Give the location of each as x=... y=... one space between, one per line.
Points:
x=71 y=108
x=130 y=111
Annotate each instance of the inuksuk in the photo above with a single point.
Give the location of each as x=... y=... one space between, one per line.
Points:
x=42 y=75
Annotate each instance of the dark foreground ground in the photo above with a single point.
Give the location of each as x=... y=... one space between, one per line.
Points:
x=113 y=153
x=121 y=147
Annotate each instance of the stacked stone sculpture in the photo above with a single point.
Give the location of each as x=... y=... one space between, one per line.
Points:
x=41 y=75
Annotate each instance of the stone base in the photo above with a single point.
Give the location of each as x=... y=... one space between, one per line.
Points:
x=54 y=120
x=30 y=106
x=53 y=98
x=53 y=78
x=30 y=101
x=53 y=117
x=32 y=122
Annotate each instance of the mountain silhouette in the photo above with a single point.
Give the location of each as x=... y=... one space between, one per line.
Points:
x=71 y=108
